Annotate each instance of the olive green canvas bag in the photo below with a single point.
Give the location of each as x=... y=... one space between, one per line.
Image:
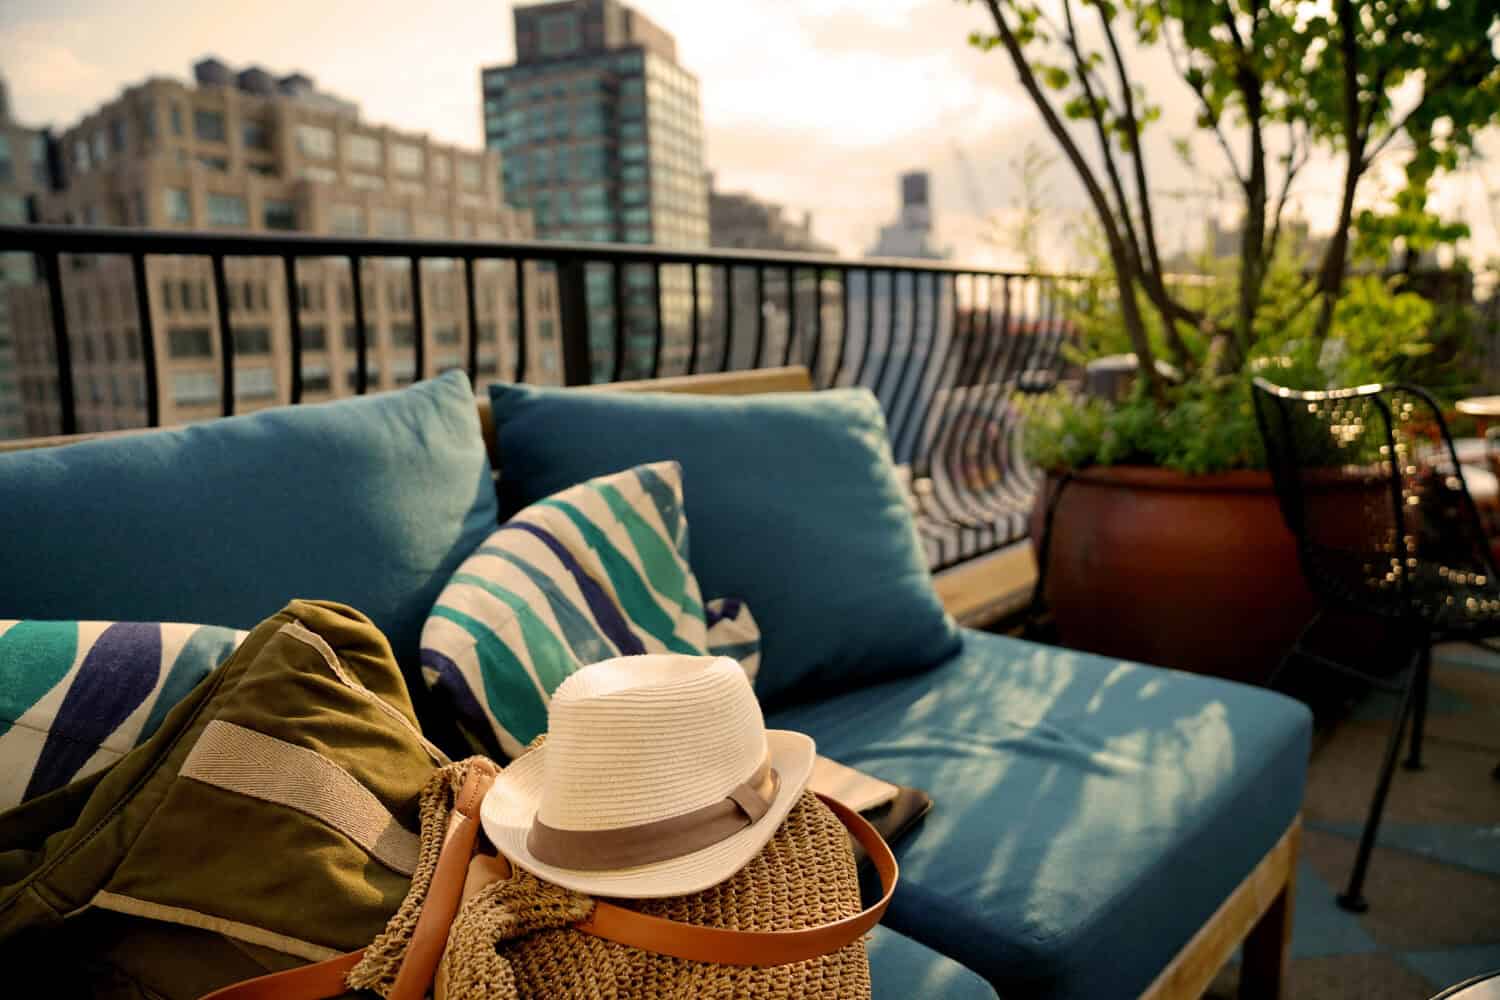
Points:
x=215 y=851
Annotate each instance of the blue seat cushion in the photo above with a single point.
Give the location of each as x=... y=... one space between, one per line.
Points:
x=1089 y=814
x=902 y=969
x=794 y=504
x=371 y=501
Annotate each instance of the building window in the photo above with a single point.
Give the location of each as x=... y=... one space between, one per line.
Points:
x=193 y=388
x=367 y=181
x=178 y=204
x=7 y=165
x=545 y=329
x=256 y=135
x=252 y=340
x=348 y=220
x=40 y=173
x=362 y=150
x=12 y=207
x=447 y=334
x=314 y=378
x=406 y=158
x=190 y=342
x=442 y=169
x=314 y=338
x=469 y=173
x=215 y=163
x=559 y=33
x=393 y=222
x=254 y=383
x=315 y=141
x=278 y=214
x=320 y=175
x=208 y=126
x=176 y=116
x=402 y=334
x=101 y=147
x=227 y=210
x=117 y=135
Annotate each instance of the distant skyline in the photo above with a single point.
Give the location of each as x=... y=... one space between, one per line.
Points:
x=818 y=104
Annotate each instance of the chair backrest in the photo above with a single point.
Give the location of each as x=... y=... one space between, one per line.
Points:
x=1370 y=485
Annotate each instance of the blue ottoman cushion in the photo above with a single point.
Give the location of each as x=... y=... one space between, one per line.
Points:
x=902 y=969
x=372 y=501
x=1089 y=814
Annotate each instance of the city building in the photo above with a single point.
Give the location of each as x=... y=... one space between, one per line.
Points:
x=600 y=132
x=740 y=220
x=911 y=234
x=25 y=175
x=251 y=152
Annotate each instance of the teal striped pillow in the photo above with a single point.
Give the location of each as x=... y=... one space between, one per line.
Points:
x=76 y=696
x=598 y=570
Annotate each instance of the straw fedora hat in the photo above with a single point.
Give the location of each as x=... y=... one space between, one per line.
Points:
x=658 y=778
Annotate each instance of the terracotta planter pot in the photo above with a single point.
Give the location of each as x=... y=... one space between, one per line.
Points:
x=1193 y=572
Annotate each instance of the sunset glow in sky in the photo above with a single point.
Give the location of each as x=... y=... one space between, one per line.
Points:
x=815 y=103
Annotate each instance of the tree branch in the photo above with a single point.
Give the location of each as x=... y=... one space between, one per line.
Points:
x=1124 y=271
x=1180 y=65
x=1294 y=164
x=1170 y=309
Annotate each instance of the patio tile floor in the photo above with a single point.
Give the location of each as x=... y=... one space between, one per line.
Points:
x=1434 y=883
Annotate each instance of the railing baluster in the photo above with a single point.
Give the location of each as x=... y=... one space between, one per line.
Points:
x=728 y=318
x=890 y=345
x=520 y=372
x=148 y=338
x=471 y=305
x=618 y=278
x=838 y=366
x=900 y=437
x=226 y=337
x=760 y=315
x=294 y=325
x=573 y=320
x=418 y=322
x=791 y=316
x=869 y=345
x=660 y=319
x=66 y=404
x=693 y=346
x=817 y=343
x=361 y=345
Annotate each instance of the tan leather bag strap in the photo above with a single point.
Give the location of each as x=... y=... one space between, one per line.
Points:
x=608 y=921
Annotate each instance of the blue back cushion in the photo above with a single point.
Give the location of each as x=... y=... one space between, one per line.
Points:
x=371 y=501
x=794 y=504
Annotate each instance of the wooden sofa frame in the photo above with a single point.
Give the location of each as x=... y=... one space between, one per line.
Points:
x=1257 y=914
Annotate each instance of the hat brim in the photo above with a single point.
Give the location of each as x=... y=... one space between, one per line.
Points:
x=512 y=803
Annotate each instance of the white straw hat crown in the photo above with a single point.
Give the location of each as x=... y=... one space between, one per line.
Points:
x=637 y=740
x=658 y=778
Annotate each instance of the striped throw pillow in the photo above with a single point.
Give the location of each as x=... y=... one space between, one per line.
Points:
x=598 y=570
x=76 y=696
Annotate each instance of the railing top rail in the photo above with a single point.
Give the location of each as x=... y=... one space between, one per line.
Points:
x=123 y=240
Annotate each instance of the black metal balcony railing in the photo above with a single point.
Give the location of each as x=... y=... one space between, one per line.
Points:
x=944 y=348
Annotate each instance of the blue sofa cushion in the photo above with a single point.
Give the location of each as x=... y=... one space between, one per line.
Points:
x=1089 y=814
x=902 y=969
x=794 y=504
x=372 y=501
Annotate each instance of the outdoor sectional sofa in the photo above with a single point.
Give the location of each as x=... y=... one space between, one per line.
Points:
x=1100 y=829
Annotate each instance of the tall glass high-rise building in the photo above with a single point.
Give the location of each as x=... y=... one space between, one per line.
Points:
x=601 y=137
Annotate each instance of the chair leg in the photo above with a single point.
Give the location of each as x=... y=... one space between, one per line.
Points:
x=1352 y=898
x=1423 y=682
x=1293 y=653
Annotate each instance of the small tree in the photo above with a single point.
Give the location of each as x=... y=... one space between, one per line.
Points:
x=1273 y=80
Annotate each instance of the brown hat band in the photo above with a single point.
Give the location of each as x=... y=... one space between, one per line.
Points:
x=658 y=840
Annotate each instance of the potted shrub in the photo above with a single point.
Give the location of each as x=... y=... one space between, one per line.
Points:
x=1167 y=545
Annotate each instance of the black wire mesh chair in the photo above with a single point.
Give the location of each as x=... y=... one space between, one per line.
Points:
x=1370 y=485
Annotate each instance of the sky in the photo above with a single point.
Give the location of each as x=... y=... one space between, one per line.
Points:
x=817 y=104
